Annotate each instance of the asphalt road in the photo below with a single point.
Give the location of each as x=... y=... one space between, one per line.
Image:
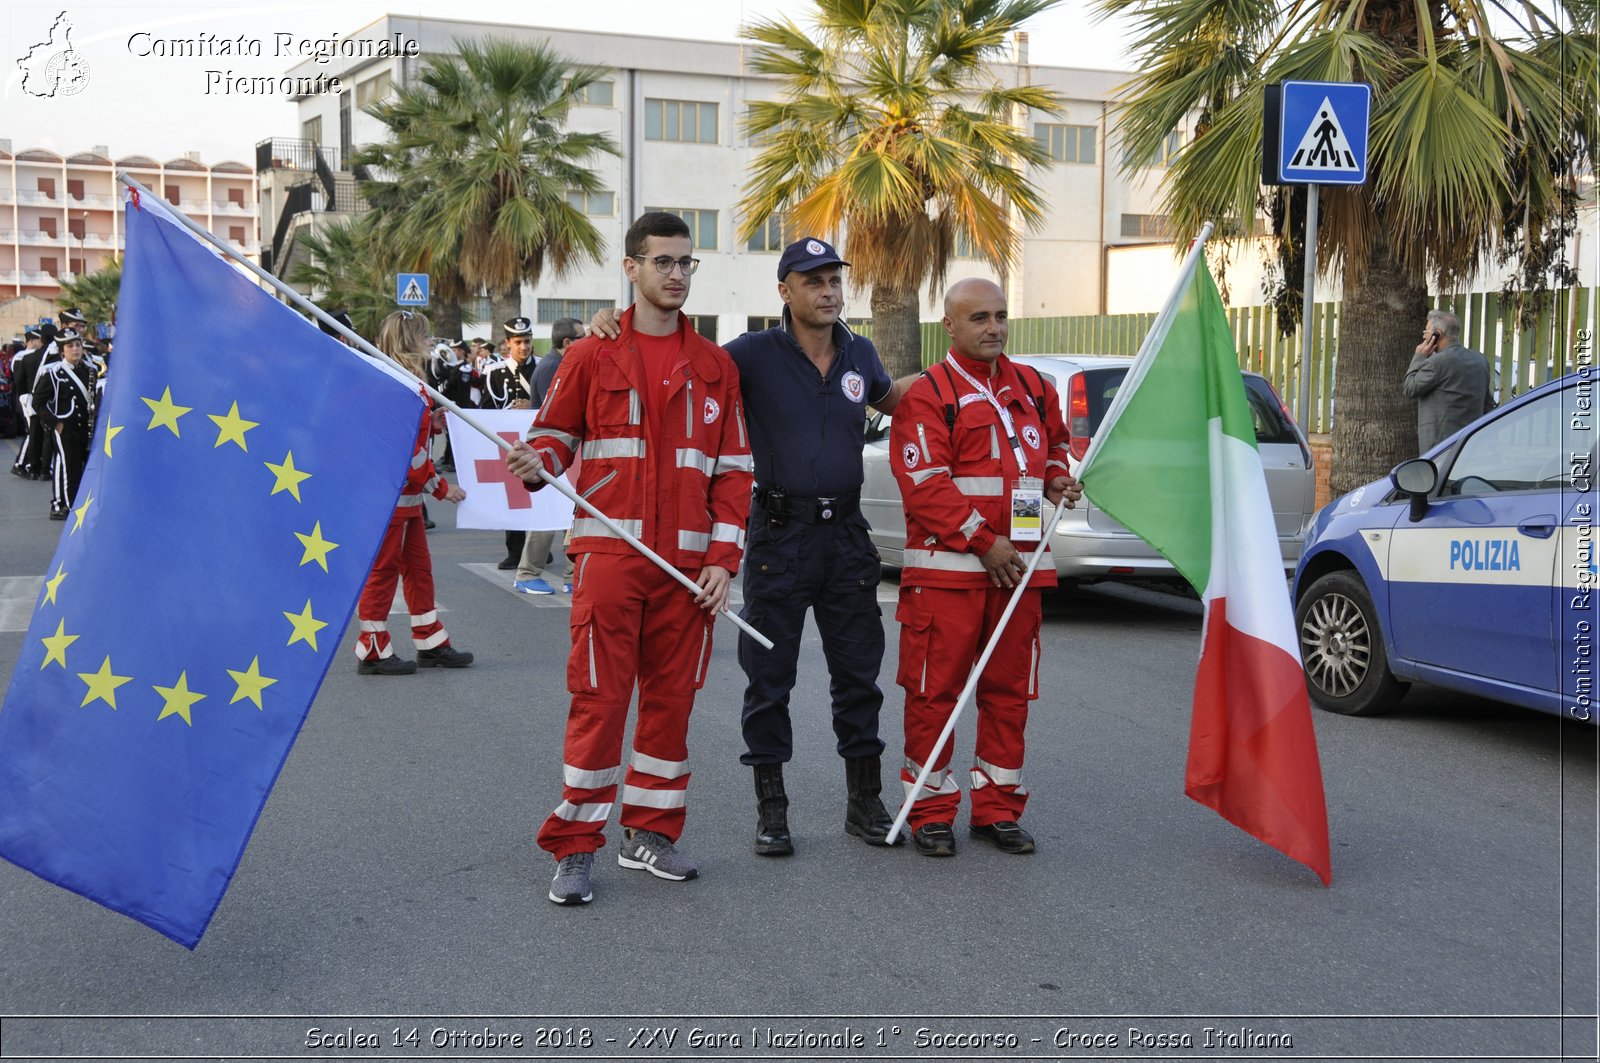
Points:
x=392 y=884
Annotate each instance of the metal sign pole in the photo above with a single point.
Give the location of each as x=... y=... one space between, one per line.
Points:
x=1307 y=333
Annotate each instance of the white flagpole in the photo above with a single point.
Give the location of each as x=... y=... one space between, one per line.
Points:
x=366 y=348
x=977 y=673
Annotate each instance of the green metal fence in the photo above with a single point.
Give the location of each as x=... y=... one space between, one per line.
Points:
x=1524 y=357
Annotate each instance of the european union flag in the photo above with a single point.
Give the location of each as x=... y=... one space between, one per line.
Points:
x=244 y=470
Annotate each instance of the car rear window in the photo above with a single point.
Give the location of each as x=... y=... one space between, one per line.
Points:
x=1266 y=413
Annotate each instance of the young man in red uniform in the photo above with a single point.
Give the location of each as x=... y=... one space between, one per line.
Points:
x=976 y=442
x=657 y=418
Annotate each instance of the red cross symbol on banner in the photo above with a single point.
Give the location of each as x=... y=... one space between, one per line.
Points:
x=494 y=471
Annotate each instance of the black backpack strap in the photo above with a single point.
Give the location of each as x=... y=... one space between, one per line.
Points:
x=1038 y=388
x=949 y=407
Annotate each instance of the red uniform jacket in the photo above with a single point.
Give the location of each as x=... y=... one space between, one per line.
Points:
x=956 y=480
x=684 y=493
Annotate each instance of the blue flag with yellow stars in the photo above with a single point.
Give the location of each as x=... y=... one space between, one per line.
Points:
x=244 y=469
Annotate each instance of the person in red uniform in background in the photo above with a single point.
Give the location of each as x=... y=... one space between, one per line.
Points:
x=656 y=415
x=404 y=336
x=975 y=439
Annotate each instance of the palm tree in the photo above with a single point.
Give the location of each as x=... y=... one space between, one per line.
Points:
x=1483 y=117
x=892 y=129
x=95 y=294
x=479 y=168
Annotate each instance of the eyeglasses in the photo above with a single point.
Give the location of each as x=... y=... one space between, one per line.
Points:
x=664 y=265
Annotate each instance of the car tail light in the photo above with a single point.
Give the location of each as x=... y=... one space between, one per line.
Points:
x=1078 y=430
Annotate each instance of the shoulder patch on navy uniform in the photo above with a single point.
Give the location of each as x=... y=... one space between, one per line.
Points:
x=854 y=386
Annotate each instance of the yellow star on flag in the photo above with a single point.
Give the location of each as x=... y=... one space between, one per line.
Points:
x=306 y=626
x=103 y=684
x=56 y=645
x=317 y=548
x=80 y=512
x=164 y=411
x=288 y=477
x=53 y=584
x=231 y=428
x=111 y=433
x=179 y=699
x=250 y=683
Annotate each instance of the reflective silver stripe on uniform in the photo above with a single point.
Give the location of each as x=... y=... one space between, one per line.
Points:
x=939 y=782
x=419 y=456
x=594 y=675
x=921 y=476
x=922 y=437
x=438 y=638
x=590 y=778
x=697 y=541
x=373 y=625
x=551 y=459
x=728 y=533
x=1033 y=668
x=699 y=460
x=688 y=409
x=983 y=773
x=970 y=526
x=588 y=813
x=733 y=463
x=613 y=448
x=418 y=619
x=592 y=526
x=592 y=488
x=949 y=561
x=988 y=486
x=1054 y=464
x=665 y=769
x=639 y=796
x=635 y=409
x=700 y=657
x=564 y=438
x=738 y=409
x=994 y=443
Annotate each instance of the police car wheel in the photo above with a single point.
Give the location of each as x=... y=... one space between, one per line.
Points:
x=1347 y=669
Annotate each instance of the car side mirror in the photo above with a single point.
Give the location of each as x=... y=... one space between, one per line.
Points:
x=1417 y=479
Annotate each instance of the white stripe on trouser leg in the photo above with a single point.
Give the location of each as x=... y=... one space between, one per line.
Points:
x=984 y=773
x=939 y=782
x=419 y=619
x=433 y=641
x=665 y=769
x=588 y=813
x=642 y=798
x=590 y=778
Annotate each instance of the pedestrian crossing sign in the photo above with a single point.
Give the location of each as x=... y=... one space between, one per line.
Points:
x=411 y=289
x=1316 y=133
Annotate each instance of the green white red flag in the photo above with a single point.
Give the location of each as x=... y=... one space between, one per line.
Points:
x=1175 y=462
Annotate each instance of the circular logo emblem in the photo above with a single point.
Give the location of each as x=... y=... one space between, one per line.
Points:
x=1030 y=435
x=815 y=247
x=909 y=454
x=66 y=73
x=854 y=387
x=712 y=409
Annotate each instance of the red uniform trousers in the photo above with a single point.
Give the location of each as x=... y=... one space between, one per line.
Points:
x=942 y=634
x=630 y=622
x=403 y=557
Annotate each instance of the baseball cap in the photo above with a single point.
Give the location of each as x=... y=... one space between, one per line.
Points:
x=808 y=254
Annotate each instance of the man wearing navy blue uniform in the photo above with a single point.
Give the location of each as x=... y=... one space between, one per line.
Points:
x=806 y=386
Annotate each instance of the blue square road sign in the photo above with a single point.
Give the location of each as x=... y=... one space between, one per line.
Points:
x=411 y=289
x=1321 y=133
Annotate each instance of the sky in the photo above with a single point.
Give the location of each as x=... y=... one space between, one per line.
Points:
x=163 y=106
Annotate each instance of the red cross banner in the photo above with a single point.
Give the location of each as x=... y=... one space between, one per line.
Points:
x=496 y=499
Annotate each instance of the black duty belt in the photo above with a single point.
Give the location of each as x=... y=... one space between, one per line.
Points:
x=782 y=506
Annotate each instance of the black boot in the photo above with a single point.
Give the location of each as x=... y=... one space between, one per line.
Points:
x=865 y=817
x=772 y=810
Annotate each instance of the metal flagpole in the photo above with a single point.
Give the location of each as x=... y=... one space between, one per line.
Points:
x=366 y=348
x=977 y=673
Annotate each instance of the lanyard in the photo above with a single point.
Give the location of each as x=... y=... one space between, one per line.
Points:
x=1005 y=417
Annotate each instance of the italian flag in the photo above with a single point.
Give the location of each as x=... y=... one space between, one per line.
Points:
x=1175 y=462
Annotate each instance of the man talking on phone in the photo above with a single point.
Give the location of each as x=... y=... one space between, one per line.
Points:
x=1450 y=383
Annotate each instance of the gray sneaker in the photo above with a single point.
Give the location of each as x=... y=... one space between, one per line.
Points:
x=571 y=884
x=649 y=851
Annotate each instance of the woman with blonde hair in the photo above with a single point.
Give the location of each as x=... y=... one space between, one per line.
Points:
x=403 y=557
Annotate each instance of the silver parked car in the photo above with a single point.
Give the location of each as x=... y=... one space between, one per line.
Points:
x=1088 y=544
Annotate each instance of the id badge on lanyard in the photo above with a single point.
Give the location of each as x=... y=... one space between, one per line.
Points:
x=1027 y=509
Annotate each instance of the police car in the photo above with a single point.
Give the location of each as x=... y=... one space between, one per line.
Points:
x=1471 y=568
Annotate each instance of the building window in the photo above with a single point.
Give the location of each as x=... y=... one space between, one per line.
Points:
x=599 y=204
x=1158 y=226
x=47 y=187
x=553 y=310
x=47 y=265
x=705 y=324
x=702 y=225
x=172 y=195
x=770 y=238
x=761 y=324
x=236 y=233
x=74 y=226
x=1163 y=155
x=311 y=129
x=372 y=90
x=1066 y=143
x=596 y=94
x=683 y=120
x=236 y=196
x=74 y=188
x=965 y=247
x=48 y=227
